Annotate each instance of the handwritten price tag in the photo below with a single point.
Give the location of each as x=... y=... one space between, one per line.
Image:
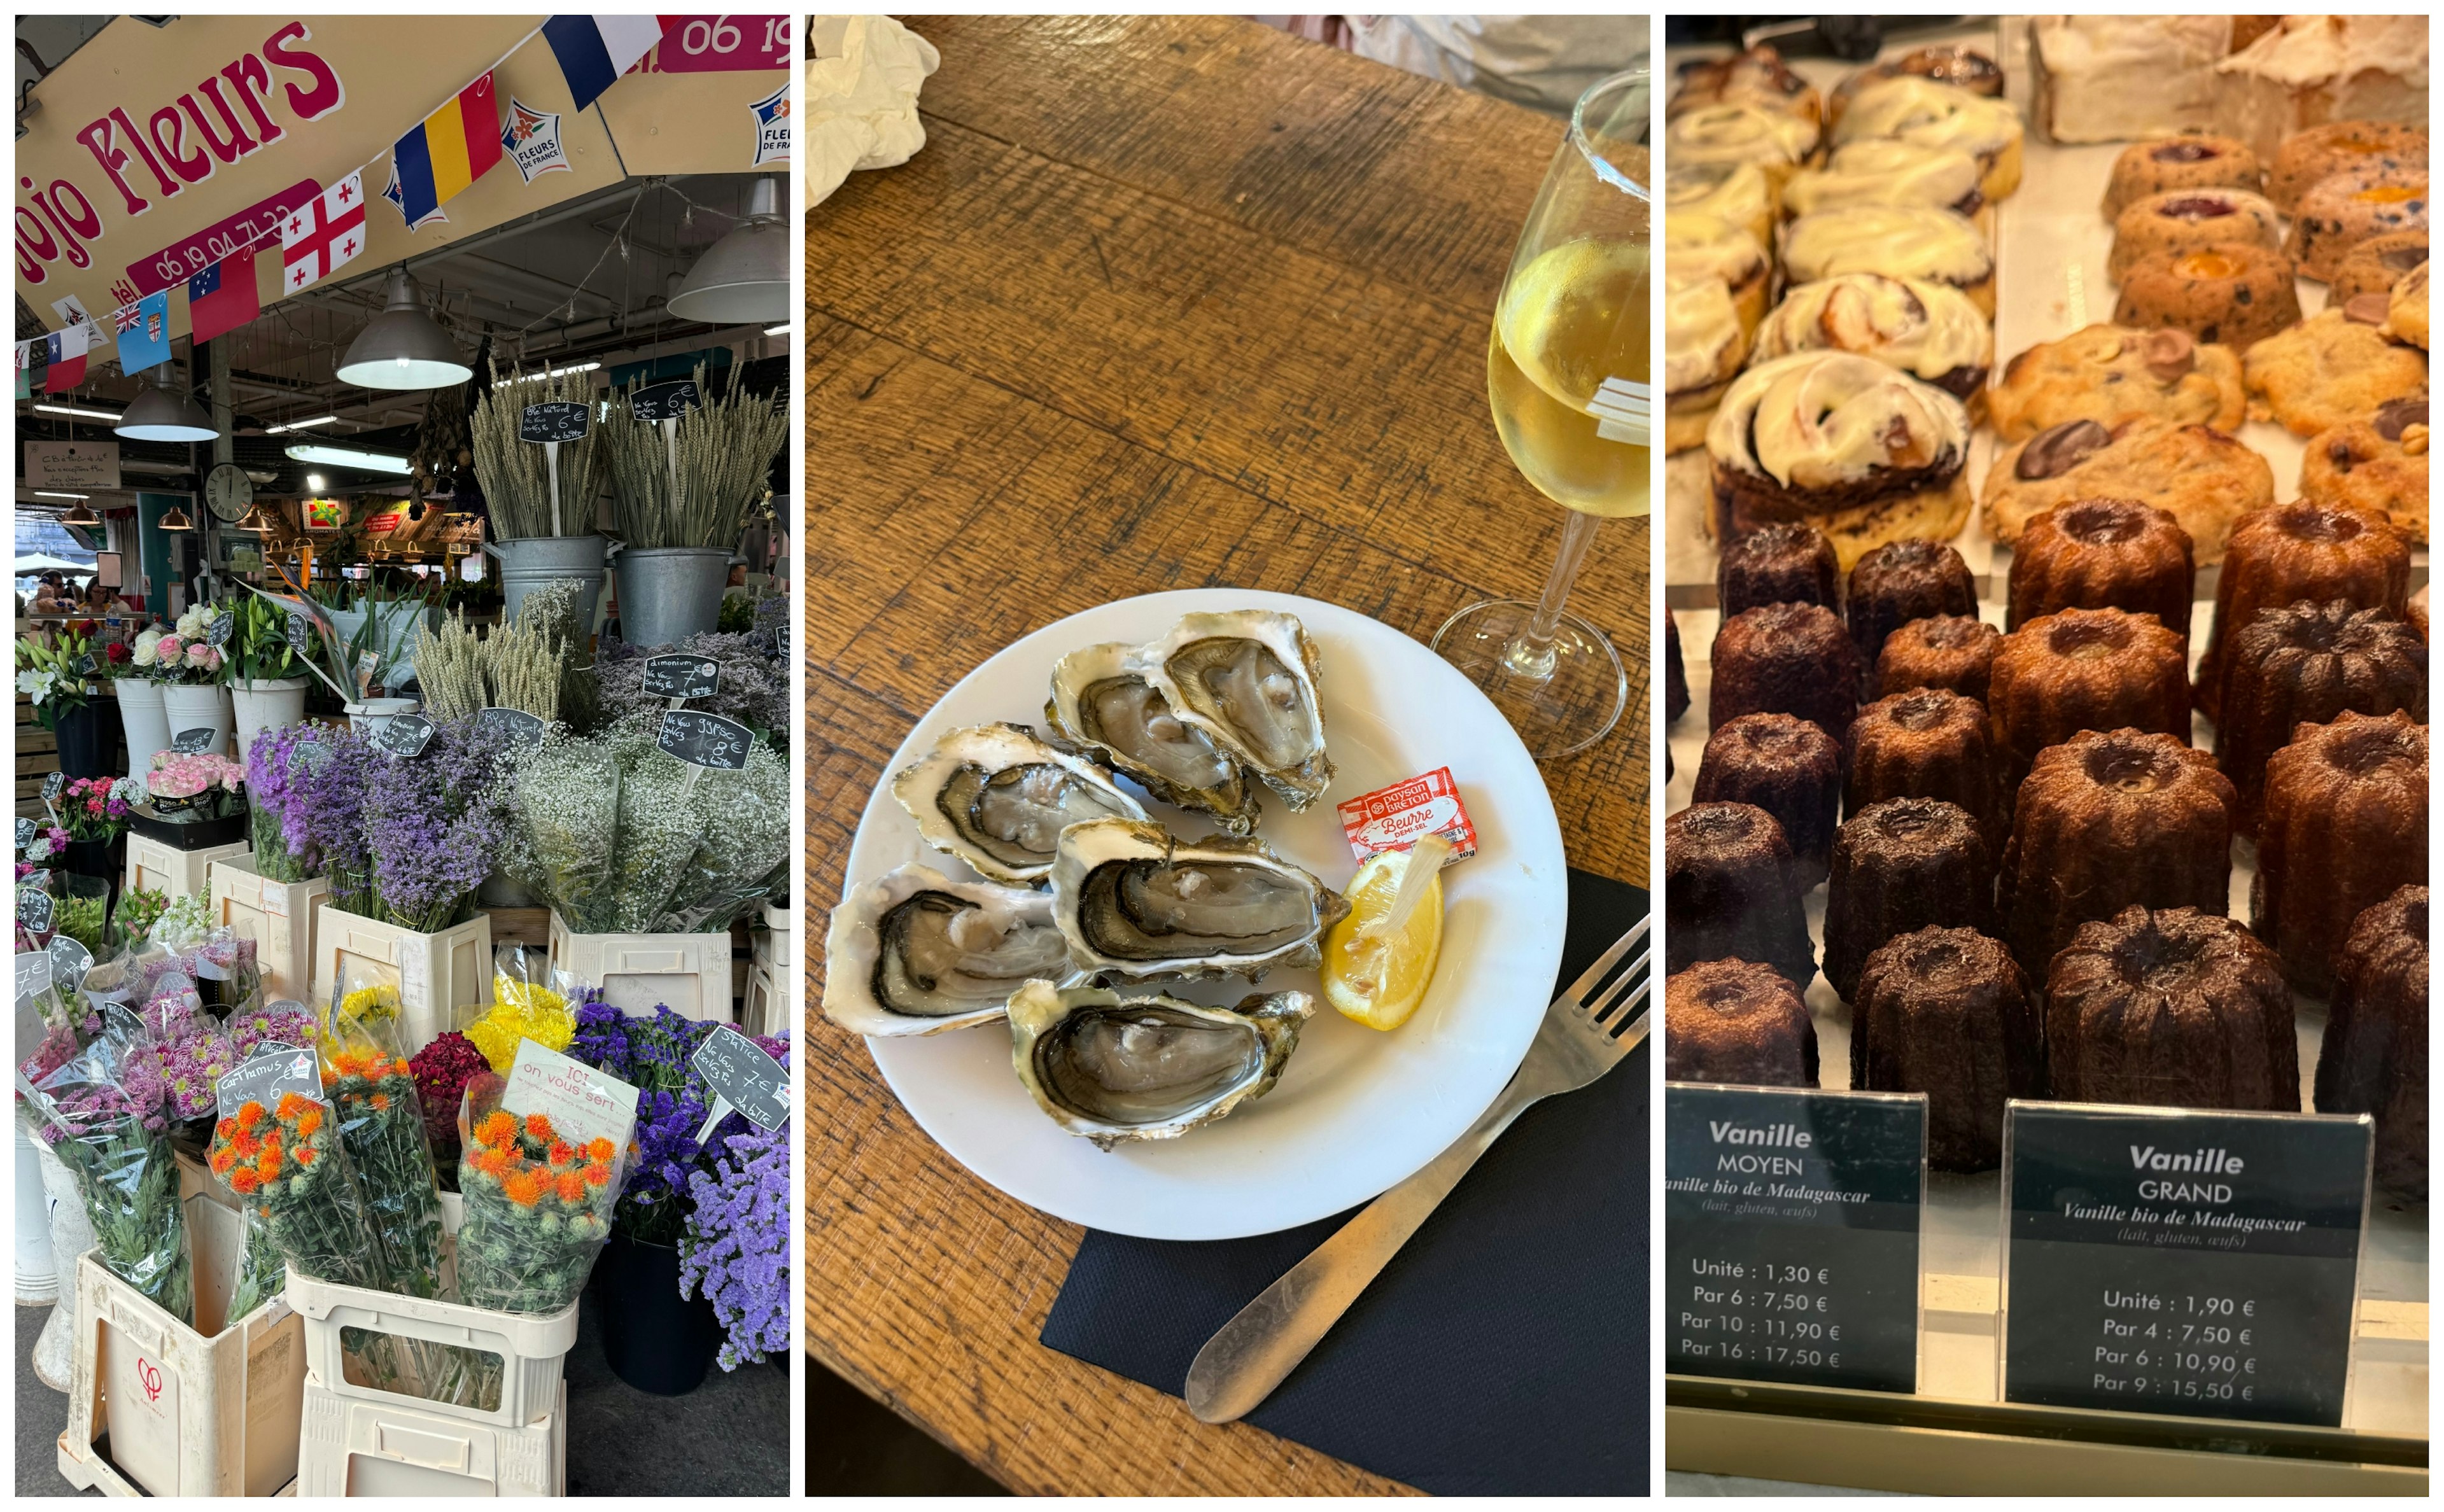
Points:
x=582 y=1103
x=744 y=1079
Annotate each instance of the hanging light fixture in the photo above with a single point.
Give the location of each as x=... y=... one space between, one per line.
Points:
x=80 y=513
x=158 y=414
x=176 y=519
x=744 y=278
x=258 y=522
x=403 y=347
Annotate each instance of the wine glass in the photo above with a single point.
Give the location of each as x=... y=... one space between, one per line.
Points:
x=1566 y=371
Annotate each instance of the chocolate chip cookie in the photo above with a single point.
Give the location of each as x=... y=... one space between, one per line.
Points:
x=2378 y=463
x=2110 y=373
x=2197 y=473
x=2333 y=368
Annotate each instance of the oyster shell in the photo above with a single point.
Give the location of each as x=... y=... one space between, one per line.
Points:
x=1248 y=678
x=1113 y=1067
x=918 y=953
x=997 y=797
x=1101 y=698
x=1134 y=901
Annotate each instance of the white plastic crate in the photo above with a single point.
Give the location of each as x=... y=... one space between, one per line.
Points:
x=437 y=973
x=208 y=1410
x=689 y=973
x=171 y=871
x=771 y=969
x=277 y=917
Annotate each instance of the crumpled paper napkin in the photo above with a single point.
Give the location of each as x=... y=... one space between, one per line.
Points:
x=861 y=89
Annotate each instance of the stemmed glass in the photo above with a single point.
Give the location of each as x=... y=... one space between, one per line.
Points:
x=1566 y=371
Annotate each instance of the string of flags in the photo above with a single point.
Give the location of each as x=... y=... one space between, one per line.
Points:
x=434 y=160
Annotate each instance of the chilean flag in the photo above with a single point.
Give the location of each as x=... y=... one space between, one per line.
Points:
x=64 y=352
x=318 y=238
x=594 y=50
x=222 y=298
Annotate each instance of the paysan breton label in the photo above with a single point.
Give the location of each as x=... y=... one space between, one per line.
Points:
x=1395 y=818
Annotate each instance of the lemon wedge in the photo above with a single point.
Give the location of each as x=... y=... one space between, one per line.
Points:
x=1379 y=982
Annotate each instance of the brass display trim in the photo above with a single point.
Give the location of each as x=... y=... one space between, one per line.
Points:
x=1830 y=1436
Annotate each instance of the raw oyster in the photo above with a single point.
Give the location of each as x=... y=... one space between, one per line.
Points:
x=1134 y=901
x=997 y=797
x=1153 y=1067
x=1100 y=698
x=918 y=953
x=1248 y=678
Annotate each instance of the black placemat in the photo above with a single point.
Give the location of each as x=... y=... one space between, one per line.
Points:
x=1504 y=1350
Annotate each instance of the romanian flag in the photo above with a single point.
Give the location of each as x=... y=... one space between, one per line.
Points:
x=447 y=150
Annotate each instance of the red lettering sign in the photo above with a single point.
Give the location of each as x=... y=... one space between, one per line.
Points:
x=720 y=45
x=184 y=259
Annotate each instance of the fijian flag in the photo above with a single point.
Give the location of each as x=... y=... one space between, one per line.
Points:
x=594 y=50
x=144 y=332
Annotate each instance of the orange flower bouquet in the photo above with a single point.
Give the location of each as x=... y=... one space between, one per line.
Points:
x=285 y=1166
x=380 y=1124
x=538 y=1205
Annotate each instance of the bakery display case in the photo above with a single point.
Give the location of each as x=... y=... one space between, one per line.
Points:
x=2046 y=537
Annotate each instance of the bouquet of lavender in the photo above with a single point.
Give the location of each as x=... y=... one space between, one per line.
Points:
x=433 y=825
x=322 y=805
x=271 y=769
x=105 y=1115
x=736 y=1246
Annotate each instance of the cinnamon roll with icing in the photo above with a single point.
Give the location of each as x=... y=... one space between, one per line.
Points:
x=1704 y=343
x=1738 y=193
x=1888 y=171
x=1701 y=249
x=1929 y=331
x=1775 y=142
x=1920 y=111
x=1854 y=447
x=1902 y=241
x=1757 y=77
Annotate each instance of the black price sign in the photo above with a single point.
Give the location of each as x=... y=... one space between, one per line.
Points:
x=85 y=665
x=33 y=980
x=1792 y=1234
x=555 y=420
x=268 y=1074
x=520 y=727
x=53 y=787
x=196 y=741
x=704 y=740
x=681 y=676
x=2197 y=1264
x=218 y=633
x=666 y=401
x=25 y=832
x=743 y=1078
x=403 y=736
x=34 y=906
x=70 y=960
x=301 y=633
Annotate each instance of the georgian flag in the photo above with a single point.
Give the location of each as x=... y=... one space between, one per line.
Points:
x=318 y=238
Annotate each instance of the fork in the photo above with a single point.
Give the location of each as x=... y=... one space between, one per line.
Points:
x=1586 y=1032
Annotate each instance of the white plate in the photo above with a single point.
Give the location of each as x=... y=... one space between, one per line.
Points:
x=1357 y=1109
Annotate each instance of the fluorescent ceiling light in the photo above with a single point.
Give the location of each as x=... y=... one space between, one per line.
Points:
x=782 y=329
x=314 y=481
x=300 y=425
x=46 y=493
x=548 y=373
x=340 y=456
x=69 y=409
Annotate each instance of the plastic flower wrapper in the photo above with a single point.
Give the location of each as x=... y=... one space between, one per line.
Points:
x=434 y=824
x=538 y=1206
x=736 y=1246
x=185 y=1047
x=84 y=917
x=372 y=1094
x=106 y=1113
x=227 y=972
x=283 y=1021
x=182 y=924
x=140 y=908
x=529 y=1002
x=442 y=1070
x=365 y=993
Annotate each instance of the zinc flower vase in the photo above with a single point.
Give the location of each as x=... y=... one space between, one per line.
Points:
x=145 y=719
x=654 y=1339
x=191 y=707
x=266 y=703
x=375 y=712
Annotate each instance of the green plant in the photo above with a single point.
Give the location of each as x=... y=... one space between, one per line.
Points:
x=84 y=919
x=694 y=488
x=140 y=908
x=261 y=641
x=52 y=670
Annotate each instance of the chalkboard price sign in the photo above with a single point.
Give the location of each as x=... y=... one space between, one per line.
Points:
x=520 y=727
x=264 y=1076
x=70 y=960
x=53 y=787
x=218 y=633
x=34 y=906
x=743 y=1079
x=706 y=740
x=24 y=833
x=2200 y=1264
x=681 y=676
x=666 y=401
x=1792 y=1234
x=196 y=741
x=558 y=420
x=301 y=633
x=33 y=980
x=403 y=736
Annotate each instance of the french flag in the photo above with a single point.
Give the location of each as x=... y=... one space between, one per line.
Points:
x=594 y=50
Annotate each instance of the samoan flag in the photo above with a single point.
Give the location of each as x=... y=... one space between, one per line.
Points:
x=447 y=150
x=144 y=332
x=594 y=50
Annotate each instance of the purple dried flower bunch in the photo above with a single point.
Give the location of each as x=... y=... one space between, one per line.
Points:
x=737 y=1244
x=435 y=823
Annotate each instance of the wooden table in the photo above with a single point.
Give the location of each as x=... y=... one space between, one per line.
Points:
x=1164 y=302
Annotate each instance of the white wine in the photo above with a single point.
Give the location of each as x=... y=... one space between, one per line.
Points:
x=1568 y=374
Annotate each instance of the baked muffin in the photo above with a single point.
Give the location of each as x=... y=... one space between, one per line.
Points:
x=2309 y=548
x=1925 y=112
x=1883 y=171
x=1785 y=658
x=2417 y=612
x=1954 y=651
x=1734 y=192
x=1901 y=581
x=1899 y=241
x=2319 y=153
x=1699 y=248
x=1929 y=331
x=2405 y=311
x=1704 y=343
x=1947 y=1012
x=1775 y=141
x=2333 y=368
x=2376 y=264
x=1728 y=892
x=2109 y=373
x=2107 y=819
x=2304 y=664
x=2373 y=1055
x=2378 y=463
x=2338 y=212
x=2191 y=161
x=1902 y=866
x=2103 y=554
x=1862 y=452
x=1927 y=742
x=2189 y=220
x=2170 y=1008
x=2232 y=293
x=1755 y=77
x=1675 y=675
x=2342 y=824
x=1788 y=768
x=1950 y=64
x=1777 y=563
x=1737 y=1023
x=2197 y=474
x=2084 y=669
